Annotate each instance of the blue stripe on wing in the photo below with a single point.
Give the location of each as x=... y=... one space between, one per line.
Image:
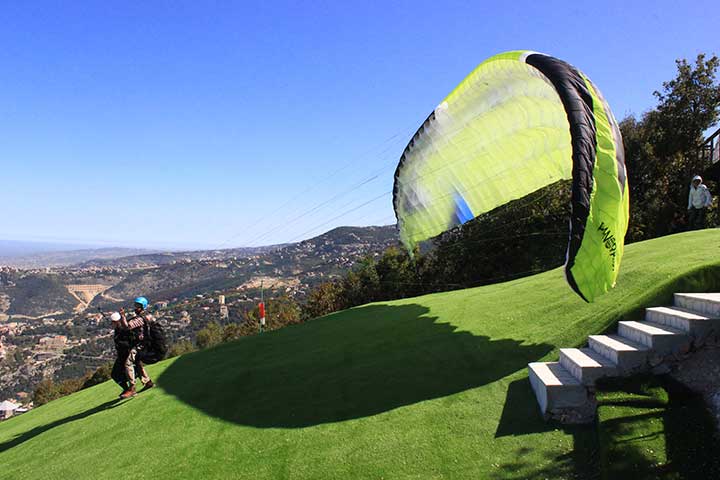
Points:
x=462 y=210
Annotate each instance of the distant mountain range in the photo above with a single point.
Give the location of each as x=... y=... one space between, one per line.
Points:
x=30 y=255
x=15 y=248
x=307 y=262
x=33 y=255
x=153 y=259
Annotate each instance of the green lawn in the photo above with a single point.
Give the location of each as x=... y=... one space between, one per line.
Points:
x=427 y=387
x=654 y=427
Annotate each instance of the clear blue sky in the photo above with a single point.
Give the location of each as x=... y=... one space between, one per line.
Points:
x=200 y=124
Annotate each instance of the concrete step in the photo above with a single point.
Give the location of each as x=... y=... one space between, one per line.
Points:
x=707 y=304
x=688 y=321
x=586 y=364
x=660 y=338
x=555 y=388
x=627 y=355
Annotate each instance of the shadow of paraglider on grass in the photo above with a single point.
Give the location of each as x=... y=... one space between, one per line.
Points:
x=370 y=360
x=25 y=436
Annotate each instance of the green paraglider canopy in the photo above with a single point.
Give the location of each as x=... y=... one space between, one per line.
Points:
x=519 y=122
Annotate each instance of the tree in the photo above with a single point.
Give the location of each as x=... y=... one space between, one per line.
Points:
x=48 y=390
x=102 y=374
x=322 y=300
x=687 y=106
x=397 y=275
x=360 y=285
x=233 y=331
x=45 y=391
x=209 y=336
x=281 y=311
x=180 y=348
x=661 y=149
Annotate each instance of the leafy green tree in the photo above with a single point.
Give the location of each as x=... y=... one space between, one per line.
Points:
x=233 y=331
x=102 y=374
x=322 y=300
x=209 y=336
x=180 y=348
x=282 y=311
x=397 y=274
x=48 y=390
x=45 y=391
x=360 y=285
x=687 y=106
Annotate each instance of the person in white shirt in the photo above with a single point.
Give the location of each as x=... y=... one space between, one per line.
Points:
x=699 y=200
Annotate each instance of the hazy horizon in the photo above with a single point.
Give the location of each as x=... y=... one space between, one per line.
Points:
x=19 y=248
x=10 y=248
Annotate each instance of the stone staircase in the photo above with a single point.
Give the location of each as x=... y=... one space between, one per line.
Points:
x=565 y=389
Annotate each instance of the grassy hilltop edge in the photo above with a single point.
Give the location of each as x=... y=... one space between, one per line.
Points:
x=426 y=387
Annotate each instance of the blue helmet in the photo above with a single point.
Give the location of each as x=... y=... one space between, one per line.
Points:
x=142 y=301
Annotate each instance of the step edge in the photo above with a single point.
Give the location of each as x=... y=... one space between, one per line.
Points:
x=699 y=315
x=597 y=363
x=664 y=329
x=560 y=383
x=620 y=339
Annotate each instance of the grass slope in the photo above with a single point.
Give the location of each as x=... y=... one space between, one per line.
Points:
x=654 y=427
x=427 y=387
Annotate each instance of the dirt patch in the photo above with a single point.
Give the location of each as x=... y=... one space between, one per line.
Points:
x=84 y=294
x=16 y=316
x=111 y=298
x=270 y=282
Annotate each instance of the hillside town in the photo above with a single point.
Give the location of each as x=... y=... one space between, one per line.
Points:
x=52 y=319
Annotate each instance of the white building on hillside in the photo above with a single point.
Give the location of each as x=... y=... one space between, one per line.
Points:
x=7 y=409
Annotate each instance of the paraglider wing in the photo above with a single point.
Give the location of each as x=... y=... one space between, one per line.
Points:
x=519 y=122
